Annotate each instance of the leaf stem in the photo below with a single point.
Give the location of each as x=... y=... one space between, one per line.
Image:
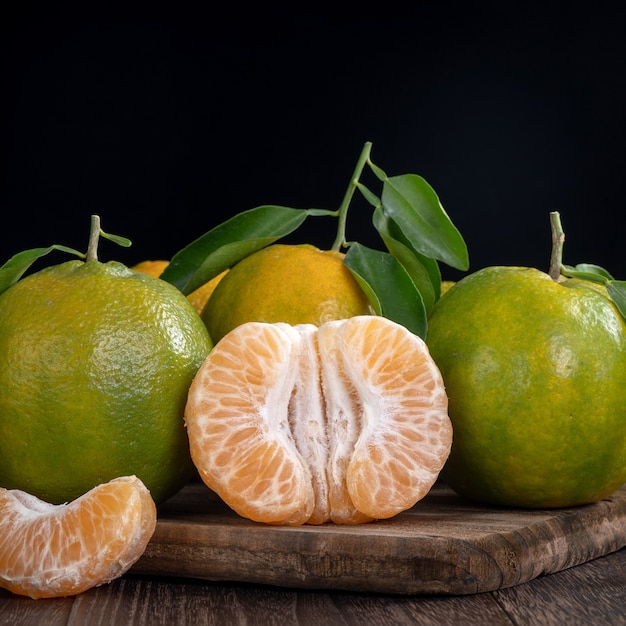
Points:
x=340 y=238
x=558 y=239
x=94 y=237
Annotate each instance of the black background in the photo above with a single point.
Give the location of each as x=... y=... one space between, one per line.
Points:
x=167 y=123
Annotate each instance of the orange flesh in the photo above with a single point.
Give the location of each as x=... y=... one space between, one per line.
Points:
x=293 y=424
x=51 y=550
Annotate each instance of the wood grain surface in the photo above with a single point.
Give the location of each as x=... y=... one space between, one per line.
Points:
x=443 y=545
x=591 y=594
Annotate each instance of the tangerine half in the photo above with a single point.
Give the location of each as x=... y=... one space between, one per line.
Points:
x=54 y=550
x=346 y=422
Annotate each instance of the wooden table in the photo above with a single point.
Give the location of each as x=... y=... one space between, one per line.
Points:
x=590 y=594
x=206 y=565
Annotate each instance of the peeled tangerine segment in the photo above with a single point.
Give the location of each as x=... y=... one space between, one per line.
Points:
x=345 y=423
x=49 y=550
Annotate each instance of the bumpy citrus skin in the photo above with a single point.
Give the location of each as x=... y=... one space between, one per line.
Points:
x=198 y=298
x=296 y=284
x=95 y=364
x=535 y=372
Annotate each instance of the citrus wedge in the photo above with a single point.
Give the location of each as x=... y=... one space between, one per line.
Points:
x=298 y=424
x=49 y=550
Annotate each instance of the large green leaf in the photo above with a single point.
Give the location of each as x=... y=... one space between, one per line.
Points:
x=388 y=286
x=423 y=271
x=415 y=207
x=18 y=264
x=229 y=242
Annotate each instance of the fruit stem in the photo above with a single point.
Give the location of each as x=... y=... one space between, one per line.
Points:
x=340 y=239
x=558 y=238
x=94 y=237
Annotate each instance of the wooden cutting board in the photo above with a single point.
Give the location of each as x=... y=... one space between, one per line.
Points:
x=442 y=545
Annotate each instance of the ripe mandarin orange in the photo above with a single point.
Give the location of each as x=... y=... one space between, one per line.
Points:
x=296 y=284
x=298 y=424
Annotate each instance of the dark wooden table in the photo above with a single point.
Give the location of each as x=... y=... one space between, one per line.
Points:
x=590 y=594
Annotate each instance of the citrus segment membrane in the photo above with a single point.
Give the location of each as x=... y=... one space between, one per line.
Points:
x=293 y=424
x=402 y=434
x=49 y=550
x=240 y=399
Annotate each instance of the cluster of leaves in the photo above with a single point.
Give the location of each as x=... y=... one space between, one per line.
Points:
x=402 y=283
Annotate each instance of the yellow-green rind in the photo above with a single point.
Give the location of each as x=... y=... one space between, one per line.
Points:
x=535 y=373
x=95 y=364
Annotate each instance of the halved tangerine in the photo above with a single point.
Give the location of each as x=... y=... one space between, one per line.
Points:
x=346 y=423
x=49 y=550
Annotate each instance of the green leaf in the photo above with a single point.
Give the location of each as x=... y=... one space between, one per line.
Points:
x=18 y=264
x=322 y=212
x=415 y=207
x=424 y=272
x=118 y=239
x=586 y=271
x=617 y=291
x=229 y=242
x=372 y=198
x=389 y=287
x=593 y=269
x=378 y=172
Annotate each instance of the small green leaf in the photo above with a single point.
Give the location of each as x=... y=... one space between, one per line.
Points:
x=18 y=264
x=423 y=271
x=118 y=239
x=372 y=198
x=378 y=172
x=586 y=271
x=617 y=291
x=322 y=212
x=389 y=287
x=415 y=207
x=593 y=269
x=229 y=242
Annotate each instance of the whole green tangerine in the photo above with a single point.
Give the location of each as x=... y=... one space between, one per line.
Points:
x=535 y=371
